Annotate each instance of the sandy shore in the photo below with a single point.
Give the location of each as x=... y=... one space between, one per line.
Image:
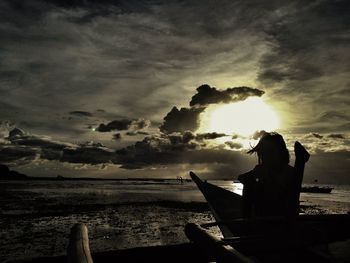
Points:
x=110 y=227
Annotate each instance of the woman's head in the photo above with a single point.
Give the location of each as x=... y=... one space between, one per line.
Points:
x=271 y=150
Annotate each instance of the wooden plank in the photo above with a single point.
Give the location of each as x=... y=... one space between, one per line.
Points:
x=208 y=242
x=78 y=248
x=185 y=252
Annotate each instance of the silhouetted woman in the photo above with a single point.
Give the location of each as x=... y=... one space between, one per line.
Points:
x=272 y=188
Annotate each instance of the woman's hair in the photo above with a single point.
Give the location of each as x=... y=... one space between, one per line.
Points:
x=271 y=150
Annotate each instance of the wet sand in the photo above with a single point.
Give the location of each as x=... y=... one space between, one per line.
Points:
x=36 y=221
x=113 y=227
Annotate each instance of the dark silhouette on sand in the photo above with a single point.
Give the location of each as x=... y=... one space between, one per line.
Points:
x=273 y=187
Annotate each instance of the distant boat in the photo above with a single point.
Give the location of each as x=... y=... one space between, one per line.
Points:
x=316 y=189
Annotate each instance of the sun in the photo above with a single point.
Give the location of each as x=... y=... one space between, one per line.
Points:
x=242 y=118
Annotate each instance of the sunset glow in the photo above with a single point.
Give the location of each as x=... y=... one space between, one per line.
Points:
x=243 y=118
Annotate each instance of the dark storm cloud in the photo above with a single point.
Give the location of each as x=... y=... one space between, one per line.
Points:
x=87 y=155
x=50 y=154
x=131 y=133
x=117 y=136
x=123 y=124
x=209 y=135
x=140 y=124
x=172 y=149
x=81 y=113
x=234 y=145
x=163 y=149
x=21 y=148
x=117 y=125
x=17 y=155
x=210 y=95
x=336 y=136
x=134 y=133
x=316 y=135
x=188 y=136
x=154 y=150
x=234 y=136
x=185 y=119
x=180 y=148
x=35 y=141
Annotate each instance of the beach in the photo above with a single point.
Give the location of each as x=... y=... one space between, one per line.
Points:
x=36 y=215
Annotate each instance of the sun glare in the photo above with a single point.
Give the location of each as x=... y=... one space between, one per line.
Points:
x=243 y=118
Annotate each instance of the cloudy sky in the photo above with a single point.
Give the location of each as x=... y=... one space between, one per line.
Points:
x=129 y=88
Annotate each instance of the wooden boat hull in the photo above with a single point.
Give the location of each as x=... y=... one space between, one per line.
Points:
x=225 y=205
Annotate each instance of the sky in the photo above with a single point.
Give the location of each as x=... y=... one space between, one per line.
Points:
x=129 y=88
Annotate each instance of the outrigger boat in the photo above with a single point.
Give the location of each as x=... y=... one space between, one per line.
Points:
x=303 y=238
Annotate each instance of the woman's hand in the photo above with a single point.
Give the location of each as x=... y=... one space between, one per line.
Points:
x=300 y=152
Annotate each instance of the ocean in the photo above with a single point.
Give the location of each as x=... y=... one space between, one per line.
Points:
x=36 y=215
